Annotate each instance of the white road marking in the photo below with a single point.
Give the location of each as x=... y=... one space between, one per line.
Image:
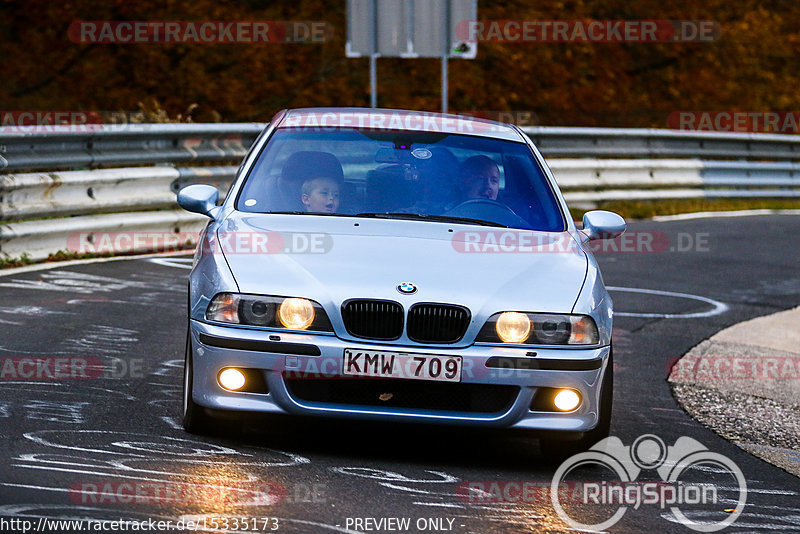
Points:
x=391 y=476
x=56 y=411
x=415 y=490
x=179 y=263
x=180 y=446
x=74 y=282
x=709 y=518
x=717 y=214
x=33 y=311
x=170 y=499
x=170 y=365
x=439 y=504
x=120 y=469
x=171 y=422
x=101 y=339
x=61 y=388
x=717 y=306
x=35 y=352
x=71 y=263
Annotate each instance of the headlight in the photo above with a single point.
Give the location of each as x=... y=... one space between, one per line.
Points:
x=539 y=329
x=268 y=311
x=513 y=327
x=296 y=314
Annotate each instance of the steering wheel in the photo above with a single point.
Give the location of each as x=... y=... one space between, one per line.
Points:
x=488 y=210
x=483 y=201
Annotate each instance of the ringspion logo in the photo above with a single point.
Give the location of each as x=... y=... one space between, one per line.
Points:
x=612 y=499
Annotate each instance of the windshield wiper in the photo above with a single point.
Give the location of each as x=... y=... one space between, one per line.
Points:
x=435 y=218
x=407 y=216
x=324 y=214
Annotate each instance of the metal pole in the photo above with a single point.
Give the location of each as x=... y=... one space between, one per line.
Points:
x=444 y=84
x=373 y=57
x=373 y=81
x=445 y=53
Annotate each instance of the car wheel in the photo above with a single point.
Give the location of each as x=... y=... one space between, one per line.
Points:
x=559 y=449
x=195 y=420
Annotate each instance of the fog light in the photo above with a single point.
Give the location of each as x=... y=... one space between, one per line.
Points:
x=567 y=400
x=231 y=379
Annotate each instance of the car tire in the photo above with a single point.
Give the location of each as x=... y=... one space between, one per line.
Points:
x=195 y=419
x=560 y=449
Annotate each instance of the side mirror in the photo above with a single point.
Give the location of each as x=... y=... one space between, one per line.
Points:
x=600 y=224
x=199 y=198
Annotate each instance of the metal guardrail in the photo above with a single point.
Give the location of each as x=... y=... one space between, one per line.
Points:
x=42 y=211
x=139 y=232
x=653 y=143
x=597 y=180
x=91 y=146
x=35 y=195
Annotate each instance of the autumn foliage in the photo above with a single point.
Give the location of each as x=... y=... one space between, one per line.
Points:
x=752 y=66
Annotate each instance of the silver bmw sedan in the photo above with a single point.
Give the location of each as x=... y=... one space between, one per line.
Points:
x=401 y=266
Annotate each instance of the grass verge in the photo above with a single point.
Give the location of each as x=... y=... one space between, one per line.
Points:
x=644 y=209
x=63 y=255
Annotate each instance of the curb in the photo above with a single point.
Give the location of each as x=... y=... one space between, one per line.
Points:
x=58 y=264
x=744 y=384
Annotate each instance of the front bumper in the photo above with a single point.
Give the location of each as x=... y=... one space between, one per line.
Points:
x=286 y=357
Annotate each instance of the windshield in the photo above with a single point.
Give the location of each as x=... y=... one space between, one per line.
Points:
x=402 y=175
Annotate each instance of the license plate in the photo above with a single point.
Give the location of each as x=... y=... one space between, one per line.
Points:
x=378 y=364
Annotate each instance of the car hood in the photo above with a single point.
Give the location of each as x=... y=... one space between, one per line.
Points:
x=332 y=259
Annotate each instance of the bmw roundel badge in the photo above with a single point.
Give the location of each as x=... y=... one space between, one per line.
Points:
x=407 y=288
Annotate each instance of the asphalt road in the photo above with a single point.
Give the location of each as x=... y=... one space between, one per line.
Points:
x=69 y=446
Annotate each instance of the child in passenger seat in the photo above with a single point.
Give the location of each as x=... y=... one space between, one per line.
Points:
x=320 y=195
